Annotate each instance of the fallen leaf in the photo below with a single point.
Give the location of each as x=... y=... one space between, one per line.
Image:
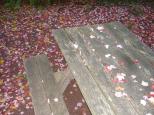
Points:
x=149 y=114
x=107 y=55
x=133 y=76
x=13 y=107
x=151 y=94
x=1 y=82
x=46 y=39
x=151 y=100
x=119 y=88
x=152 y=86
x=2 y=100
x=1 y=61
x=92 y=36
x=75 y=46
x=119 y=46
x=118 y=94
x=143 y=83
x=106 y=46
x=143 y=102
x=100 y=28
x=56 y=99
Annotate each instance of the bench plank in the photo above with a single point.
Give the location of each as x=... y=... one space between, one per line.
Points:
x=39 y=97
x=91 y=53
x=45 y=88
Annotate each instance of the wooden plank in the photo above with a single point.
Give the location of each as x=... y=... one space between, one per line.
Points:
x=93 y=52
x=134 y=50
x=40 y=102
x=90 y=90
x=38 y=67
x=129 y=38
x=62 y=79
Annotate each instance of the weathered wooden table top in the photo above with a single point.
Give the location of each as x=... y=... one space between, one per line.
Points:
x=114 y=70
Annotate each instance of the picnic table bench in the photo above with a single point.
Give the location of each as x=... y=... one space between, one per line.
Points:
x=113 y=69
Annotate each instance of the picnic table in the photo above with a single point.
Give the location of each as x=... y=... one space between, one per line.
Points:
x=113 y=69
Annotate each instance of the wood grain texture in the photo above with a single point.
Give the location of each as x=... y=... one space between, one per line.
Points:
x=44 y=87
x=62 y=79
x=90 y=90
x=39 y=97
x=90 y=55
x=103 y=81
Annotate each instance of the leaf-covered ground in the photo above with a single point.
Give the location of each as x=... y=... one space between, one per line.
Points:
x=28 y=32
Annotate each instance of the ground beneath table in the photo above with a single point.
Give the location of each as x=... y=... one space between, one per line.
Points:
x=28 y=32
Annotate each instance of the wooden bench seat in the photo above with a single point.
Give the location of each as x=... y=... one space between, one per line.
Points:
x=46 y=86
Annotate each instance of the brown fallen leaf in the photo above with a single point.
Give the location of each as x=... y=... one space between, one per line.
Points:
x=1 y=61
x=119 y=88
x=1 y=82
